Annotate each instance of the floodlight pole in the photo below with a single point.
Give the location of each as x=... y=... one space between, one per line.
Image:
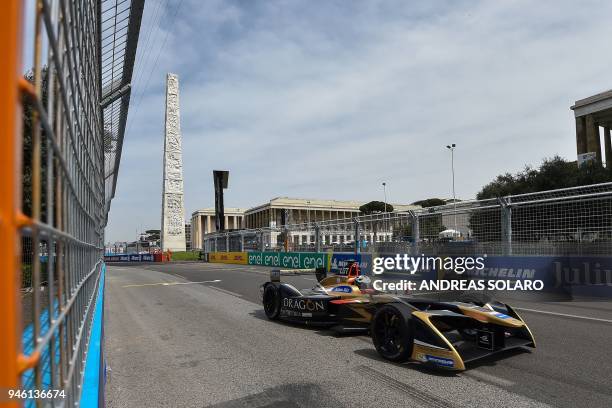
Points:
x=384 y=184
x=452 y=150
x=308 y=219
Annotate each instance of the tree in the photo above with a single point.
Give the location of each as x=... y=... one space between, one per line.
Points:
x=28 y=109
x=110 y=139
x=152 y=235
x=282 y=238
x=430 y=225
x=553 y=173
x=430 y=202
x=375 y=207
x=555 y=222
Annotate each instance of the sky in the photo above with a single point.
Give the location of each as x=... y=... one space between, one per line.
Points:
x=328 y=99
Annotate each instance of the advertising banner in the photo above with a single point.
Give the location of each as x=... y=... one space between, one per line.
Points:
x=339 y=260
x=573 y=275
x=290 y=260
x=240 y=258
x=129 y=258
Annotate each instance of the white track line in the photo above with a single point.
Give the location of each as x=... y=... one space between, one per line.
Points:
x=597 y=319
x=226 y=291
x=169 y=283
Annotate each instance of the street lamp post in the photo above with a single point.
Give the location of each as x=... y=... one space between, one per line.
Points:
x=308 y=219
x=451 y=147
x=385 y=190
x=384 y=184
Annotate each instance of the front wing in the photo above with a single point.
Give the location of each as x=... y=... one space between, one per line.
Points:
x=450 y=339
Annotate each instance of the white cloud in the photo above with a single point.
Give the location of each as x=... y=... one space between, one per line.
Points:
x=328 y=101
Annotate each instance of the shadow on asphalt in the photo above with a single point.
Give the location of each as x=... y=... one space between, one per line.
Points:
x=372 y=354
x=323 y=329
x=285 y=396
x=492 y=360
x=489 y=361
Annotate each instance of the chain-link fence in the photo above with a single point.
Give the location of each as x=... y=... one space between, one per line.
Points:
x=572 y=221
x=67 y=142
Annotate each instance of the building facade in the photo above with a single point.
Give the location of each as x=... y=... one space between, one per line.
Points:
x=203 y=222
x=188 y=245
x=280 y=211
x=291 y=211
x=592 y=114
x=283 y=210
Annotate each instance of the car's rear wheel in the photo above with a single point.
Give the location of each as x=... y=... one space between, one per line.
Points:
x=392 y=333
x=271 y=302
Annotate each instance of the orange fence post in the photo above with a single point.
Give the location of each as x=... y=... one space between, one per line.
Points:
x=10 y=197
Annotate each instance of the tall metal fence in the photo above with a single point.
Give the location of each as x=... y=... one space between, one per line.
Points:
x=62 y=129
x=571 y=221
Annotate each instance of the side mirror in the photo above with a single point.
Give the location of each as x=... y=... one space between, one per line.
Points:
x=275 y=275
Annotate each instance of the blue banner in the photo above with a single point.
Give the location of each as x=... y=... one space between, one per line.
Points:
x=340 y=260
x=573 y=275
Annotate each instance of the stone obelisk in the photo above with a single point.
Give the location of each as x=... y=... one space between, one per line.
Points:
x=173 y=211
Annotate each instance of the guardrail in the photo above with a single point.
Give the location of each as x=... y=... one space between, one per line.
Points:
x=62 y=127
x=572 y=221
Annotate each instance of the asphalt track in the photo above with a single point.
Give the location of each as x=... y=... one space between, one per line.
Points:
x=195 y=335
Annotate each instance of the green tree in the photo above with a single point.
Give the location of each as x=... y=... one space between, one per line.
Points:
x=554 y=222
x=110 y=139
x=152 y=235
x=281 y=238
x=430 y=202
x=375 y=207
x=553 y=173
x=430 y=225
x=27 y=171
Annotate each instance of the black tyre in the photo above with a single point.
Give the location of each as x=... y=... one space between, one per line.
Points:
x=392 y=333
x=271 y=302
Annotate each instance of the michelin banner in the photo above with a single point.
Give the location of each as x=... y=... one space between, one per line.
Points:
x=240 y=258
x=571 y=275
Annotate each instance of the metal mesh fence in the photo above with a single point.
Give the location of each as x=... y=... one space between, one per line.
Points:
x=75 y=101
x=572 y=221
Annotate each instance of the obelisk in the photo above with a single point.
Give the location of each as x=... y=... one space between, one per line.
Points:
x=173 y=211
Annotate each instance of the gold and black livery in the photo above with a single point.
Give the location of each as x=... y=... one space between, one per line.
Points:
x=444 y=334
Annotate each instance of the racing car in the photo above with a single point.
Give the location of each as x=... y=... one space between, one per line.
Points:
x=444 y=334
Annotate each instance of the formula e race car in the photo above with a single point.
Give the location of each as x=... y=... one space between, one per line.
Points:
x=444 y=334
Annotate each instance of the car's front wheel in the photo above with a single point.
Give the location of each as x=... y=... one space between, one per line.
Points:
x=271 y=302
x=392 y=333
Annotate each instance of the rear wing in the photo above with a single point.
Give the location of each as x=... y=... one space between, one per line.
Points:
x=320 y=273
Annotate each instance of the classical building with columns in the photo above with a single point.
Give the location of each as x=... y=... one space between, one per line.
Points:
x=203 y=222
x=591 y=114
x=284 y=210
